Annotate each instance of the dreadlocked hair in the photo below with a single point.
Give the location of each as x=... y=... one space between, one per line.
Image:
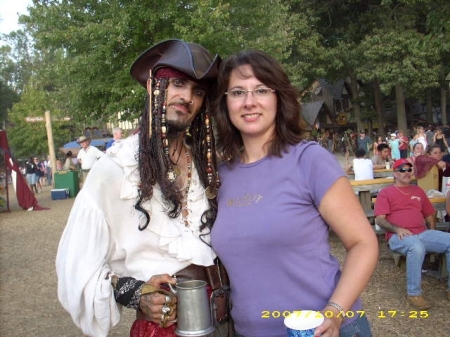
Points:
x=196 y=139
x=154 y=163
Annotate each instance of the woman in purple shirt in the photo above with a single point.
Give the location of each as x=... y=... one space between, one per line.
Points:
x=279 y=197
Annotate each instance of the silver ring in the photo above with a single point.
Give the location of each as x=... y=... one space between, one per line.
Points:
x=168 y=299
x=165 y=309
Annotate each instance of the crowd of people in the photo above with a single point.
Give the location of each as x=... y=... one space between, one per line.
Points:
x=401 y=143
x=38 y=173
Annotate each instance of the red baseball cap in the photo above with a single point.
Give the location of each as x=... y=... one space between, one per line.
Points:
x=399 y=163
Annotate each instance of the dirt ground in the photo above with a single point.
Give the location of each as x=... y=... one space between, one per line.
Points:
x=28 y=295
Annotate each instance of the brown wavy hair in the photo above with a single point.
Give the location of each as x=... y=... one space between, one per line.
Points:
x=290 y=128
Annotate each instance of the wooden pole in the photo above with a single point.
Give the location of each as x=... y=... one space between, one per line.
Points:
x=51 y=147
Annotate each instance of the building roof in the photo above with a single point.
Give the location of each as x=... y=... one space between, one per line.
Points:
x=310 y=112
x=334 y=89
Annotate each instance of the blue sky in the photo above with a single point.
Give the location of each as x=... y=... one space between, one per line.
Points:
x=9 y=16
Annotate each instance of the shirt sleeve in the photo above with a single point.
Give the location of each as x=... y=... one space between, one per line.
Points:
x=427 y=206
x=83 y=289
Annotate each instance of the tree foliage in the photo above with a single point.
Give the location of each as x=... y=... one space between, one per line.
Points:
x=83 y=49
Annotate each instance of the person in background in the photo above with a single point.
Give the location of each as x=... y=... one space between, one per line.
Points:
x=379 y=160
x=439 y=139
x=375 y=145
x=429 y=133
x=424 y=163
x=146 y=210
x=87 y=156
x=39 y=169
x=362 y=167
x=48 y=168
x=446 y=132
x=290 y=214
x=117 y=134
x=404 y=144
x=417 y=150
x=394 y=145
x=68 y=163
x=403 y=210
x=413 y=142
x=31 y=169
x=422 y=137
x=364 y=142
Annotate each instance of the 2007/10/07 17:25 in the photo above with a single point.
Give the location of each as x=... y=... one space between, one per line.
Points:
x=413 y=314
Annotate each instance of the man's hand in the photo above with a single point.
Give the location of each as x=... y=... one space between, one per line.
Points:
x=152 y=304
x=402 y=232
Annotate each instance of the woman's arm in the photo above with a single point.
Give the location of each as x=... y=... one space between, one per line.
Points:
x=342 y=211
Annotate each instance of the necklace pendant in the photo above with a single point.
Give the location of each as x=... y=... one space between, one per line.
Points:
x=176 y=171
x=211 y=192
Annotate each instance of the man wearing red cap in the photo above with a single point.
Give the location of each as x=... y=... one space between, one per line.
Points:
x=147 y=210
x=400 y=210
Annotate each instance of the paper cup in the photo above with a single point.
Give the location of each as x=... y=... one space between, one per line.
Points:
x=302 y=323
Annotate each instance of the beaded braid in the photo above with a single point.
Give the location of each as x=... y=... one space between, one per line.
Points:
x=155 y=165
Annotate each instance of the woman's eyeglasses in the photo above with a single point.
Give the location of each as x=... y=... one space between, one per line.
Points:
x=403 y=170
x=258 y=93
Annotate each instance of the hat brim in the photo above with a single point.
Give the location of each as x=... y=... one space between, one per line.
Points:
x=189 y=58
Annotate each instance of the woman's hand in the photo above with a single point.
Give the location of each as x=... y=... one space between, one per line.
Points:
x=159 y=308
x=329 y=328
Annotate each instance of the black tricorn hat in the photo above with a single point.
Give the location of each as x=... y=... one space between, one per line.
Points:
x=189 y=58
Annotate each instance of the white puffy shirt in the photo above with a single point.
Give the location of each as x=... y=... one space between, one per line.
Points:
x=102 y=236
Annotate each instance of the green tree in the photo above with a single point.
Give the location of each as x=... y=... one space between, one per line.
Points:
x=99 y=41
x=30 y=138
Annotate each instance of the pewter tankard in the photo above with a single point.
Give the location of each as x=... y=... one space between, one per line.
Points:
x=193 y=309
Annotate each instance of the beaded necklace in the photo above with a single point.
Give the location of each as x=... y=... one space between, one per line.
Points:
x=184 y=210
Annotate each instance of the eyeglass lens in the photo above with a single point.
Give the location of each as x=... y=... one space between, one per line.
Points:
x=405 y=170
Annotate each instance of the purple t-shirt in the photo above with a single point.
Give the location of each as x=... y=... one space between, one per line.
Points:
x=272 y=239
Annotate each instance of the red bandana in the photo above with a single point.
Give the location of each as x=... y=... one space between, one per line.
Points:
x=167 y=72
x=170 y=73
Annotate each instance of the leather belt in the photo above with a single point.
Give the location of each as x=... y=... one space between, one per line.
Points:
x=192 y=272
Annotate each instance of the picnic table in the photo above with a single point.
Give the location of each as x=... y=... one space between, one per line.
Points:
x=439 y=203
x=365 y=188
x=378 y=173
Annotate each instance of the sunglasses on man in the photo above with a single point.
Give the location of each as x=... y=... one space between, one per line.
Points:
x=403 y=170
